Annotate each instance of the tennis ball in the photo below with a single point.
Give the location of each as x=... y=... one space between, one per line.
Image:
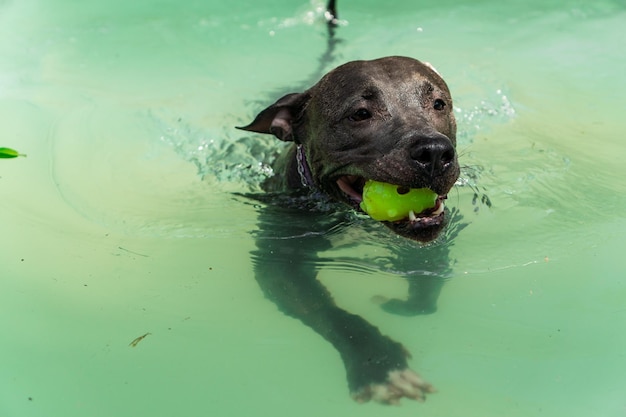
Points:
x=390 y=202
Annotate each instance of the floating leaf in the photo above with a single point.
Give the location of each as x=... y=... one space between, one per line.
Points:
x=9 y=153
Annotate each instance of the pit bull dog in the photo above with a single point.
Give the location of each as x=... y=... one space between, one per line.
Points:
x=389 y=120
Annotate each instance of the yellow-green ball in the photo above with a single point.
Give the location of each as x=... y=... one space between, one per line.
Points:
x=382 y=201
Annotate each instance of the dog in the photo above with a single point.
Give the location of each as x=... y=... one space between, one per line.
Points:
x=389 y=120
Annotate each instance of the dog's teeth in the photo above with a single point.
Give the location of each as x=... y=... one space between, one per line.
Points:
x=412 y=216
x=439 y=210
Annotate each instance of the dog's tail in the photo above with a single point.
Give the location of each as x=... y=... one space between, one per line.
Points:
x=332 y=18
x=327 y=58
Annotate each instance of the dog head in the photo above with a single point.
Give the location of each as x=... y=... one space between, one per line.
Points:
x=389 y=120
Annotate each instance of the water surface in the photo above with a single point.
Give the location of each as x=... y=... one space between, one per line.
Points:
x=122 y=219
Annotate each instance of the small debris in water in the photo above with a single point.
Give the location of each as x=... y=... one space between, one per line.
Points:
x=137 y=340
x=134 y=253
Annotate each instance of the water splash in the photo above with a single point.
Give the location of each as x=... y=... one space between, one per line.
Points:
x=495 y=109
x=221 y=156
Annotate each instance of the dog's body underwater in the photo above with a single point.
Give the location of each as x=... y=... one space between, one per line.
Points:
x=389 y=120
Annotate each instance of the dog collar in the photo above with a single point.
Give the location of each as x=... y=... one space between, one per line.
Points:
x=303 y=168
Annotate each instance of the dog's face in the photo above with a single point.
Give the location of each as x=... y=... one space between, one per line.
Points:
x=389 y=120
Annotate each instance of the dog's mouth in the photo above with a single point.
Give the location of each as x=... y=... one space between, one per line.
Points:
x=423 y=225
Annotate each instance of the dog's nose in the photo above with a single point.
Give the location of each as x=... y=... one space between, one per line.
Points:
x=433 y=153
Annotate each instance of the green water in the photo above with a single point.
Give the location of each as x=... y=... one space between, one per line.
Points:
x=121 y=222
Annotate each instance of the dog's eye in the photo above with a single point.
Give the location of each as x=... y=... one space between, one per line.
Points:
x=360 y=114
x=439 y=104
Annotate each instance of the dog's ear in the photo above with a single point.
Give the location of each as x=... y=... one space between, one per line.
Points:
x=278 y=118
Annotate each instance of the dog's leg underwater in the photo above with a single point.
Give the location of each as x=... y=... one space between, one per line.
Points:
x=285 y=262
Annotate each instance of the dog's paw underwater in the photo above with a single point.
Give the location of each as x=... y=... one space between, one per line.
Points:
x=399 y=384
